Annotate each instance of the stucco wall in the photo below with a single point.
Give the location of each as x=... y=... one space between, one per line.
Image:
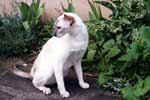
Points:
x=82 y=7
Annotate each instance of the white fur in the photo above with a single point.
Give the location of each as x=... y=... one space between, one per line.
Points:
x=59 y=54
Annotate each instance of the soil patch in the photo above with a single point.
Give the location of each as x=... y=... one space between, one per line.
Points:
x=13 y=87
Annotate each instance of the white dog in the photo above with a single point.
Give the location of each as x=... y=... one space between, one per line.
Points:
x=65 y=49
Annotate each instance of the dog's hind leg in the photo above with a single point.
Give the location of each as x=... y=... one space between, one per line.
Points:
x=40 y=82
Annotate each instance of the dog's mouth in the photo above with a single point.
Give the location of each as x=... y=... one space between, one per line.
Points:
x=58 y=35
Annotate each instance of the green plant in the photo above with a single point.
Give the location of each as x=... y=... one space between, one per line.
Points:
x=13 y=38
x=45 y=32
x=95 y=13
x=134 y=92
x=70 y=7
x=20 y=35
x=31 y=14
x=119 y=47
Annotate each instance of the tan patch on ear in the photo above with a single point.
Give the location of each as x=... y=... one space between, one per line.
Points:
x=70 y=18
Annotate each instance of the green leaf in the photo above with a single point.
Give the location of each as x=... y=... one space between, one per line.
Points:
x=109 y=44
x=145 y=33
x=32 y=13
x=138 y=88
x=26 y=25
x=113 y=52
x=126 y=21
x=91 y=55
x=24 y=8
x=128 y=93
x=146 y=86
x=95 y=11
x=124 y=58
x=70 y=7
x=119 y=37
x=106 y=4
x=92 y=46
x=40 y=11
x=102 y=79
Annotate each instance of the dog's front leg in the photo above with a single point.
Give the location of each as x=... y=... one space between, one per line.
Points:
x=60 y=80
x=79 y=72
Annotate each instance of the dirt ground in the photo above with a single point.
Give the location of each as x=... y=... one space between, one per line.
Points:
x=13 y=87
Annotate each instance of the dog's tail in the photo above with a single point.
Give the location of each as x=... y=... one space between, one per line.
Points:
x=21 y=73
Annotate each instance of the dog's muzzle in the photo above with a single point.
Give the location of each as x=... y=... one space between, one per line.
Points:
x=54 y=33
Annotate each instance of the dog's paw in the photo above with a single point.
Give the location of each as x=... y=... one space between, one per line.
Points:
x=65 y=94
x=45 y=90
x=84 y=85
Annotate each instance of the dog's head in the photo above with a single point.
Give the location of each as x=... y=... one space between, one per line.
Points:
x=63 y=25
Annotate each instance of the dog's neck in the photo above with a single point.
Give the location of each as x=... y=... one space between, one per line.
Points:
x=78 y=38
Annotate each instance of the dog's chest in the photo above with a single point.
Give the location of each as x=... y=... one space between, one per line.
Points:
x=75 y=55
x=77 y=47
x=73 y=58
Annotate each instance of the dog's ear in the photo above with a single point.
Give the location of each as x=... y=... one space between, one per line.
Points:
x=59 y=11
x=69 y=18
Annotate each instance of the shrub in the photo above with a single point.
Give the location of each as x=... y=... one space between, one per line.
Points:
x=31 y=14
x=23 y=34
x=119 y=47
x=13 y=38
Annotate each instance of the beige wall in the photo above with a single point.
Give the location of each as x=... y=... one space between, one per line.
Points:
x=82 y=7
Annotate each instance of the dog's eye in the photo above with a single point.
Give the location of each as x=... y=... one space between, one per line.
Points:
x=58 y=27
